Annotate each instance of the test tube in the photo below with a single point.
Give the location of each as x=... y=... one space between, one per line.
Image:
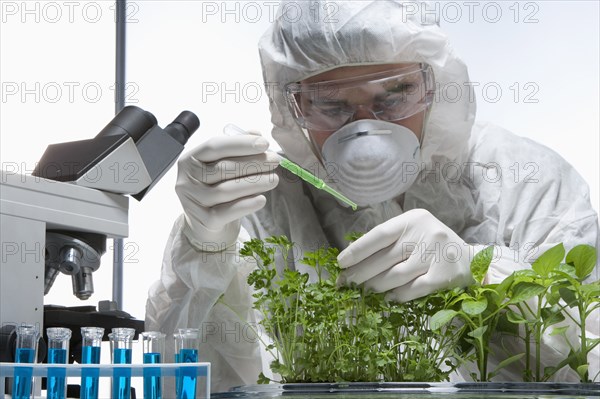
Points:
x=120 y=349
x=26 y=352
x=58 y=353
x=91 y=339
x=154 y=352
x=187 y=342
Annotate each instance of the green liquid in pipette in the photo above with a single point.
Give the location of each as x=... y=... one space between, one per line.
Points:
x=314 y=180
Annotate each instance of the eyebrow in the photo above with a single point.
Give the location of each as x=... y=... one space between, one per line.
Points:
x=401 y=86
x=327 y=101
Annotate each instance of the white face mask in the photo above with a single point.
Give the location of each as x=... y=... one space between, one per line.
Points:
x=372 y=161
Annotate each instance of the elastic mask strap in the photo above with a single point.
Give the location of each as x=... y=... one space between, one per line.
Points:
x=423 y=129
x=313 y=146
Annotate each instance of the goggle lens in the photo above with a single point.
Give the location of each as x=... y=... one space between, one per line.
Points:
x=389 y=96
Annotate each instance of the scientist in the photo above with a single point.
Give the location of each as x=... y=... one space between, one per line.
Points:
x=353 y=99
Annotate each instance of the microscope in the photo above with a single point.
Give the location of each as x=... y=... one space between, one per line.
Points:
x=57 y=220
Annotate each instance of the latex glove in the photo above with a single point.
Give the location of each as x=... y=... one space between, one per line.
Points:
x=409 y=256
x=221 y=181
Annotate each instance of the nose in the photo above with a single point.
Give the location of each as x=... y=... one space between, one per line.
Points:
x=363 y=112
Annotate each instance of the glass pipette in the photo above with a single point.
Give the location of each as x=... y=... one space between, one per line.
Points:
x=314 y=180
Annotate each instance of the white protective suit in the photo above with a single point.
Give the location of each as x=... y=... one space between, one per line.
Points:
x=486 y=184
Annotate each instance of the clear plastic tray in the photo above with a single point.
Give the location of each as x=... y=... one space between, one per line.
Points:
x=461 y=390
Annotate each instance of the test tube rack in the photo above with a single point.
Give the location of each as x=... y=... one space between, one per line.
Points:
x=201 y=370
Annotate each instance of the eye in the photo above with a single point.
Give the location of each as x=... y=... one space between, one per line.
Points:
x=406 y=89
x=391 y=101
x=331 y=109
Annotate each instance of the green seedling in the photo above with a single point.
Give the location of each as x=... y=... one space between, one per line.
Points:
x=320 y=332
x=526 y=305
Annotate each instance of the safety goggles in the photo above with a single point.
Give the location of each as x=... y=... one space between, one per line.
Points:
x=388 y=96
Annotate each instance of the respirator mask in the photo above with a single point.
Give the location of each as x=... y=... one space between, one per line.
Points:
x=372 y=161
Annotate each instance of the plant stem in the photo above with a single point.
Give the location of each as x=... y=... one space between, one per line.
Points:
x=527 y=341
x=538 y=338
x=583 y=349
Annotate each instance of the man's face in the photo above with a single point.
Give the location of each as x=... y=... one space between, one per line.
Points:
x=362 y=99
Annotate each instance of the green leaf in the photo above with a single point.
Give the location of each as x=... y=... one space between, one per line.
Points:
x=590 y=290
x=525 y=275
x=515 y=317
x=488 y=289
x=459 y=298
x=572 y=359
x=552 y=316
x=478 y=332
x=583 y=257
x=353 y=236
x=549 y=260
x=505 y=363
x=442 y=318
x=559 y=330
x=523 y=291
x=553 y=296
x=505 y=326
x=582 y=371
x=567 y=269
x=262 y=379
x=481 y=262
x=473 y=308
x=568 y=296
x=503 y=287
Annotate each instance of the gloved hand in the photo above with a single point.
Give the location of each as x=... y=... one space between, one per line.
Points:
x=409 y=256
x=221 y=181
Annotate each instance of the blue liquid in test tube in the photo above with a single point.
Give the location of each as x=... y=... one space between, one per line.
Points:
x=177 y=377
x=122 y=377
x=56 y=377
x=89 y=377
x=120 y=345
x=151 y=358
x=58 y=353
x=153 y=346
x=186 y=386
x=23 y=375
x=152 y=386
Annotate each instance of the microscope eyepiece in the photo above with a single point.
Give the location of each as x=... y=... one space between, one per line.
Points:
x=182 y=128
x=133 y=121
x=131 y=139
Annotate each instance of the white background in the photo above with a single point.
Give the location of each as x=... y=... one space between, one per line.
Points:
x=179 y=49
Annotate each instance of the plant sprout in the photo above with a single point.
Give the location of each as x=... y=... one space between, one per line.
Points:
x=320 y=332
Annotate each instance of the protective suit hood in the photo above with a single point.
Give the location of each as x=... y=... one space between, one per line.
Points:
x=308 y=38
